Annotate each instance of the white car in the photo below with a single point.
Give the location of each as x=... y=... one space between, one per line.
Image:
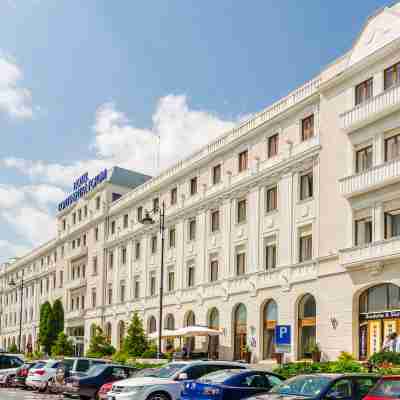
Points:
x=40 y=375
x=166 y=383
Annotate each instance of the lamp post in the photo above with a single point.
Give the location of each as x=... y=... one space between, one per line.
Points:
x=149 y=220
x=12 y=283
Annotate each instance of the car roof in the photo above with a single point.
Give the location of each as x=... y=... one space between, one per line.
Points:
x=202 y=362
x=344 y=375
x=85 y=358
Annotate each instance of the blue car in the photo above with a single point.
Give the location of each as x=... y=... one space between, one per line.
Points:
x=231 y=384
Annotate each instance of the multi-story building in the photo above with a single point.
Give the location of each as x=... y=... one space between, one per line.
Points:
x=291 y=218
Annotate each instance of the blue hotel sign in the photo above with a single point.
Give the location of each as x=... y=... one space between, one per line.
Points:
x=82 y=186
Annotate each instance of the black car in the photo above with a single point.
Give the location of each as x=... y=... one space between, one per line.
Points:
x=22 y=372
x=86 y=387
x=322 y=387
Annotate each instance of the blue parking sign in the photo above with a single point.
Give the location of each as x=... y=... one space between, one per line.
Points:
x=283 y=335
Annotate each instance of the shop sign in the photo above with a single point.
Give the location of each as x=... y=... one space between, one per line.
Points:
x=381 y=315
x=81 y=187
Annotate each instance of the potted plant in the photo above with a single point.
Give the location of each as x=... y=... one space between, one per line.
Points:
x=315 y=352
x=246 y=351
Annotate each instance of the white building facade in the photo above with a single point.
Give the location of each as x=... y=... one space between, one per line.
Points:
x=292 y=218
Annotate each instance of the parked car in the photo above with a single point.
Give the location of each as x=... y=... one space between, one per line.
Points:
x=388 y=387
x=9 y=364
x=230 y=384
x=71 y=366
x=322 y=387
x=88 y=386
x=22 y=372
x=166 y=384
x=40 y=375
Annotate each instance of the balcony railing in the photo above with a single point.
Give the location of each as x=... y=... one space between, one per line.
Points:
x=78 y=252
x=372 y=109
x=371 y=179
x=371 y=253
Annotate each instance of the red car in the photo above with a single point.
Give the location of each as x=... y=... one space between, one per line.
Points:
x=102 y=395
x=388 y=387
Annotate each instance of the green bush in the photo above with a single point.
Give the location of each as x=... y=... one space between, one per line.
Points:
x=13 y=349
x=151 y=352
x=99 y=345
x=385 y=357
x=120 y=357
x=63 y=346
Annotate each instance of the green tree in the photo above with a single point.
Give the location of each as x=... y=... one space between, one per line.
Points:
x=99 y=345
x=13 y=349
x=63 y=346
x=46 y=330
x=58 y=317
x=135 y=343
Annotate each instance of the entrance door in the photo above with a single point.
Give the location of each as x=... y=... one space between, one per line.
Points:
x=240 y=332
x=240 y=346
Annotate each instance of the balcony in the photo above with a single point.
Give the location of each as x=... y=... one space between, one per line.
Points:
x=369 y=180
x=373 y=109
x=76 y=283
x=78 y=252
x=372 y=253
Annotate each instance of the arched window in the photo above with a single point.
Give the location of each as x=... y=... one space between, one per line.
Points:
x=108 y=331
x=240 y=331
x=377 y=319
x=152 y=325
x=306 y=325
x=213 y=343
x=121 y=334
x=213 y=319
x=170 y=322
x=190 y=320
x=270 y=318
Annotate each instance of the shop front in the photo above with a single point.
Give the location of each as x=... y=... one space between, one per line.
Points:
x=379 y=308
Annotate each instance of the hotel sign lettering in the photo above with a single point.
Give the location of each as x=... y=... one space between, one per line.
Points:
x=82 y=186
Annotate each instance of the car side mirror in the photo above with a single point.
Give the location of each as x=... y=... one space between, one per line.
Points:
x=183 y=376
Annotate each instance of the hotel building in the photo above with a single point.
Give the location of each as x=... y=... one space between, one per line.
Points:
x=291 y=218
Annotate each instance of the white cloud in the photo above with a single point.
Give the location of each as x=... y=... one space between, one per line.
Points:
x=9 y=249
x=15 y=101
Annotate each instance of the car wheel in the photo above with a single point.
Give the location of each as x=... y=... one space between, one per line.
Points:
x=158 y=396
x=44 y=388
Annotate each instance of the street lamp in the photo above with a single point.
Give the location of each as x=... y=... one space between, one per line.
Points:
x=149 y=220
x=12 y=283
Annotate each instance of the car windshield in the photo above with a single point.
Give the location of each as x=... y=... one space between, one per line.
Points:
x=387 y=388
x=218 y=376
x=168 y=371
x=96 y=369
x=308 y=386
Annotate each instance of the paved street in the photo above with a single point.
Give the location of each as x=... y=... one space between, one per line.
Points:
x=17 y=394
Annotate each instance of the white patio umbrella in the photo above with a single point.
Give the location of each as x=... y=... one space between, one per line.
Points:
x=192 y=331
x=166 y=333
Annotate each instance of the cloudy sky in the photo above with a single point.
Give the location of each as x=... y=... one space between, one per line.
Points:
x=90 y=84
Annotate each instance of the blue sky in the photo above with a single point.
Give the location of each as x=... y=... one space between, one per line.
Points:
x=88 y=84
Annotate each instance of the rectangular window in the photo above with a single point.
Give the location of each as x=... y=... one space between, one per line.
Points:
x=190 y=277
x=122 y=292
x=270 y=256
x=112 y=227
x=192 y=229
x=214 y=271
x=83 y=302
x=392 y=148
x=243 y=160
x=74 y=218
x=216 y=174
x=272 y=199
x=307 y=128
x=273 y=145
x=96 y=234
x=84 y=240
x=392 y=76
x=137 y=250
x=109 y=294
x=363 y=231
x=64 y=224
x=72 y=245
x=94 y=298
x=123 y=255
x=152 y=284
x=392 y=224
x=171 y=281
x=240 y=264
x=172 y=237
x=215 y=221
x=305 y=247
x=78 y=242
x=85 y=211
x=174 y=196
x=111 y=260
x=94 y=265
x=364 y=159
x=139 y=213
x=137 y=287
x=126 y=221
x=364 y=91
x=83 y=270
x=306 y=186
x=61 y=278
x=156 y=204
x=79 y=215
x=241 y=211
x=97 y=203
x=193 y=186
x=153 y=244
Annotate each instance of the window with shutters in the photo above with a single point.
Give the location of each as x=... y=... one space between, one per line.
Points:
x=307 y=128
x=271 y=199
x=273 y=145
x=243 y=161
x=216 y=174
x=364 y=91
